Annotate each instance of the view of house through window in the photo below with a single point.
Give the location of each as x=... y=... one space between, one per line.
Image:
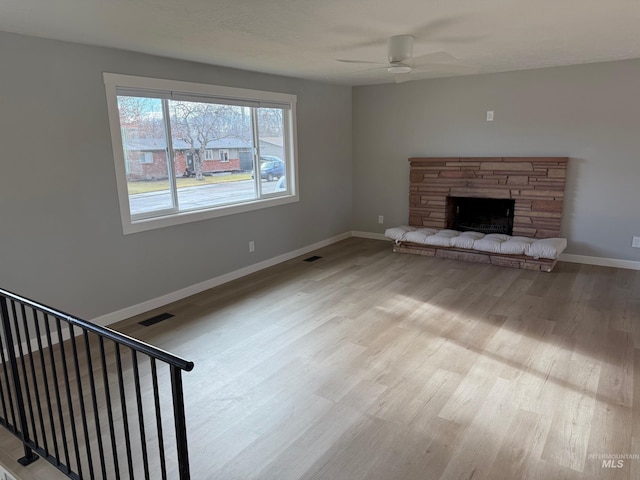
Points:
x=212 y=148
x=185 y=155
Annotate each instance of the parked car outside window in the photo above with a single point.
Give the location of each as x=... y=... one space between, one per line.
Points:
x=271 y=168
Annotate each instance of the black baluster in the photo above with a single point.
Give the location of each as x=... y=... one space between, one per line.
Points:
x=11 y=424
x=34 y=379
x=156 y=402
x=29 y=456
x=94 y=399
x=107 y=394
x=47 y=389
x=143 y=437
x=125 y=419
x=67 y=386
x=56 y=387
x=180 y=423
x=27 y=388
x=83 y=413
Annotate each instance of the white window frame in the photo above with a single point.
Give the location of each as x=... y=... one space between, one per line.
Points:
x=222 y=154
x=208 y=154
x=114 y=81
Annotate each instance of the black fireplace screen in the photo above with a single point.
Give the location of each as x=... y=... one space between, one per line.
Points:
x=485 y=215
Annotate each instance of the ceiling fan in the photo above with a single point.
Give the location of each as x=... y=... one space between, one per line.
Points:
x=403 y=64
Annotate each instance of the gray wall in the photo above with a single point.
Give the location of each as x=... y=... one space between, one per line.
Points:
x=590 y=113
x=61 y=239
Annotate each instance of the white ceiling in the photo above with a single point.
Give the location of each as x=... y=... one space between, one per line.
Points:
x=303 y=38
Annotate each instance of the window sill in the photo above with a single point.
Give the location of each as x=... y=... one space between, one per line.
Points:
x=129 y=226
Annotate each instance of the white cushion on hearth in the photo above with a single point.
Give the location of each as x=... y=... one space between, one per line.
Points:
x=420 y=235
x=516 y=245
x=490 y=243
x=466 y=239
x=442 y=238
x=448 y=233
x=547 y=248
x=398 y=233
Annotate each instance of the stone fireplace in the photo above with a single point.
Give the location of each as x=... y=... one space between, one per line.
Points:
x=440 y=188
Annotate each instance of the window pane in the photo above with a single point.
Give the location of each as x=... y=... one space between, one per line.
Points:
x=273 y=161
x=146 y=163
x=213 y=157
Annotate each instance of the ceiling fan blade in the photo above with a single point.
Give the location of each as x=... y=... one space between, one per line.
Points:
x=435 y=26
x=403 y=77
x=367 y=70
x=445 y=30
x=360 y=61
x=447 y=68
x=458 y=38
x=432 y=57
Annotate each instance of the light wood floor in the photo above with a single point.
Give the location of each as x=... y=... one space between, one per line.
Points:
x=371 y=365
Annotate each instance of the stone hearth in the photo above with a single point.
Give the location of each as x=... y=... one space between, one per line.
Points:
x=535 y=183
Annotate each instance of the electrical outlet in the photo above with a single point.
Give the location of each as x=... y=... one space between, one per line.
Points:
x=252 y=246
x=635 y=242
x=380 y=219
x=489 y=115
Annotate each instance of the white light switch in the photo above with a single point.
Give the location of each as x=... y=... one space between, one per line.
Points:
x=489 y=115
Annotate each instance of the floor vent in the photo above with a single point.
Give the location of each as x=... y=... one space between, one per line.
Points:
x=312 y=259
x=156 y=319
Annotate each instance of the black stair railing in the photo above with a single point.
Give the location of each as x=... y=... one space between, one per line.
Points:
x=93 y=402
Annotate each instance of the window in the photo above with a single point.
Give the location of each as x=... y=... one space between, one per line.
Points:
x=146 y=157
x=164 y=133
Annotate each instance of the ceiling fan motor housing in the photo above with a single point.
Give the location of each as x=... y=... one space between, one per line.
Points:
x=400 y=48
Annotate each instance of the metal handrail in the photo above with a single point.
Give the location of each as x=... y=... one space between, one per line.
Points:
x=105 y=332
x=51 y=406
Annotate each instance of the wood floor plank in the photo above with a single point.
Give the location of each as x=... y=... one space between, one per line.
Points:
x=635 y=452
x=521 y=447
x=372 y=365
x=567 y=442
x=471 y=393
x=611 y=433
x=302 y=454
x=635 y=411
x=481 y=441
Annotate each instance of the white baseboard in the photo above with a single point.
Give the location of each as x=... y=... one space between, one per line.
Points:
x=373 y=236
x=601 y=261
x=158 y=302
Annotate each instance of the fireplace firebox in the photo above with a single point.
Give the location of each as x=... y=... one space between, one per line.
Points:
x=485 y=215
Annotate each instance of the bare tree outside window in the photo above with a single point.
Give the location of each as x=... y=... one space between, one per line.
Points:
x=141 y=116
x=198 y=124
